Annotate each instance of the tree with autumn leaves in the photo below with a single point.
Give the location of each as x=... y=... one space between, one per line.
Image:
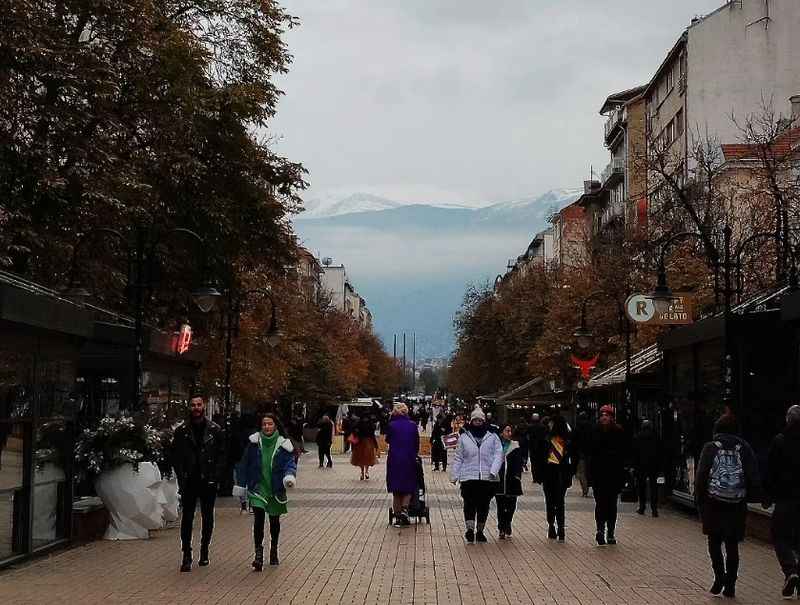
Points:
x=523 y=326
x=143 y=116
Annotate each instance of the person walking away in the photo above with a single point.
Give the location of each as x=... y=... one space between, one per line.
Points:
x=510 y=486
x=536 y=436
x=348 y=426
x=647 y=463
x=725 y=481
x=581 y=438
x=606 y=473
x=198 y=457
x=324 y=441
x=521 y=433
x=402 y=438
x=270 y=468
x=365 y=447
x=783 y=489
x=424 y=416
x=476 y=465
x=438 y=450
x=555 y=468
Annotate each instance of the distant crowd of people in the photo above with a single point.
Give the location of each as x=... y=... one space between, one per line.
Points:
x=488 y=463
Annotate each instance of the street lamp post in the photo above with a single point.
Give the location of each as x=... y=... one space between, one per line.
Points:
x=139 y=257
x=731 y=262
x=233 y=314
x=583 y=334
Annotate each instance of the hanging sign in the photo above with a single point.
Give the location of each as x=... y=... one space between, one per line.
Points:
x=641 y=309
x=184 y=339
x=584 y=365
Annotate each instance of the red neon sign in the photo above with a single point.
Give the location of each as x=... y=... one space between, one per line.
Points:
x=184 y=340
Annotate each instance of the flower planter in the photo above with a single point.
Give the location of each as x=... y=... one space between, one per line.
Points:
x=135 y=500
x=46 y=481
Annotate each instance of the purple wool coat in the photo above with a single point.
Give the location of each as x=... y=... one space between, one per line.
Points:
x=401 y=463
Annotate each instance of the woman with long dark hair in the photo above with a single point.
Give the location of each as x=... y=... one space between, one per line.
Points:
x=510 y=486
x=269 y=468
x=555 y=470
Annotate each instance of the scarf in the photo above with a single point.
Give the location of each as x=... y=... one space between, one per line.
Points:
x=557 y=446
x=478 y=433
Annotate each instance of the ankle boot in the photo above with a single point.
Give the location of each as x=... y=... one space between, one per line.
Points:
x=273 y=554
x=203 y=555
x=186 y=563
x=258 y=561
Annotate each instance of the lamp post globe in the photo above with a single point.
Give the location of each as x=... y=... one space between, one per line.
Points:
x=205 y=297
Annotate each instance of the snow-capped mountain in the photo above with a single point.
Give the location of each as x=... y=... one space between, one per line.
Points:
x=337 y=205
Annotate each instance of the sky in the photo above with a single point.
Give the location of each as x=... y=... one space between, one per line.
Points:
x=462 y=101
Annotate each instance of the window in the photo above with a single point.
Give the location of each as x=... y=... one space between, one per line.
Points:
x=670 y=79
x=679 y=123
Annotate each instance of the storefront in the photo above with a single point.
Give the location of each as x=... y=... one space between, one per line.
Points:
x=41 y=335
x=764 y=362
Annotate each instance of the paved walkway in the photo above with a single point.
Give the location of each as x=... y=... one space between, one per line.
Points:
x=336 y=548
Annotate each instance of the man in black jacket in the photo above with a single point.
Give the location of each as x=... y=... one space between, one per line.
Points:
x=198 y=457
x=536 y=434
x=783 y=488
x=647 y=461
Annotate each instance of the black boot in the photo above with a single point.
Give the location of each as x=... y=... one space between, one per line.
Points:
x=203 y=555
x=730 y=586
x=551 y=532
x=273 y=554
x=258 y=561
x=186 y=564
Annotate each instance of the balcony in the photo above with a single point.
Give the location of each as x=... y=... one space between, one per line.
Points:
x=614 y=172
x=614 y=124
x=682 y=84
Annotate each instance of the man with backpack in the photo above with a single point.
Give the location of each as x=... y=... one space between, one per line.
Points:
x=725 y=481
x=782 y=485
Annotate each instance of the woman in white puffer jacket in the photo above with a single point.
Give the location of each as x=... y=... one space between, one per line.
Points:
x=476 y=465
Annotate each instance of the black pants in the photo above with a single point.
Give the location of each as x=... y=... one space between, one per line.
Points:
x=323 y=450
x=605 y=508
x=555 y=492
x=206 y=493
x=786 y=535
x=642 y=479
x=506 y=507
x=477 y=497
x=259 y=518
x=725 y=568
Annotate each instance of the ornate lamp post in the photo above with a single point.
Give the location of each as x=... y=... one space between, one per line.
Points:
x=140 y=256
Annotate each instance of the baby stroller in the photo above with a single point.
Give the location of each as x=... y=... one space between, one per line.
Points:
x=418 y=508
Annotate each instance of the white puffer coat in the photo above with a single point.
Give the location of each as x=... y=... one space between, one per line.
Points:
x=477 y=459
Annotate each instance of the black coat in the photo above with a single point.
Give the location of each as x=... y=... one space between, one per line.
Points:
x=606 y=459
x=536 y=434
x=511 y=472
x=782 y=480
x=647 y=454
x=545 y=471
x=204 y=461
x=723 y=518
x=325 y=433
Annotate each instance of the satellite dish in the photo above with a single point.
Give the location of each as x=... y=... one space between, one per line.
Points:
x=327 y=261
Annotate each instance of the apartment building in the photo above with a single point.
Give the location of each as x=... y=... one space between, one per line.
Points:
x=725 y=64
x=342 y=293
x=625 y=177
x=309 y=273
x=569 y=233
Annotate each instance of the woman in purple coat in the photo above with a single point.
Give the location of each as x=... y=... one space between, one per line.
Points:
x=401 y=464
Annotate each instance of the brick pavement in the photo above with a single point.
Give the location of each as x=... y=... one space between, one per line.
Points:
x=336 y=547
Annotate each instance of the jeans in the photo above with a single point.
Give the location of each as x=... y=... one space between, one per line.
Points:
x=323 y=450
x=206 y=493
x=477 y=497
x=555 y=492
x=506 y=506
x=605 y=509
x=642 y=478
x=786 y=535
x=725 y=568
x=259 y=518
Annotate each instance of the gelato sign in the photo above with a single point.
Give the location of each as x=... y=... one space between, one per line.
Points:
x=641 y=309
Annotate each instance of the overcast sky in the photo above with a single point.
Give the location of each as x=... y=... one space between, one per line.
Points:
x=463 y=100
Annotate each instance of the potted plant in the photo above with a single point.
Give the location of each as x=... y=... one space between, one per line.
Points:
x=122 y=456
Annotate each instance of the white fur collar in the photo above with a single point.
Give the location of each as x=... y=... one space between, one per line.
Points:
x=282 y=441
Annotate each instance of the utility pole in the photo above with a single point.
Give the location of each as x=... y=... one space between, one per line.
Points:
x=404 y=359
x=414 y=363
x=394 y=350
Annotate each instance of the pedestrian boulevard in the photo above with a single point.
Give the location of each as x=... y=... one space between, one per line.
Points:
x=337 y=547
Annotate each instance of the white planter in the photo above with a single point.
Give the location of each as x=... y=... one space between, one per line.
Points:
x=169 y=488
x=45 y=498
x=135 y=501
